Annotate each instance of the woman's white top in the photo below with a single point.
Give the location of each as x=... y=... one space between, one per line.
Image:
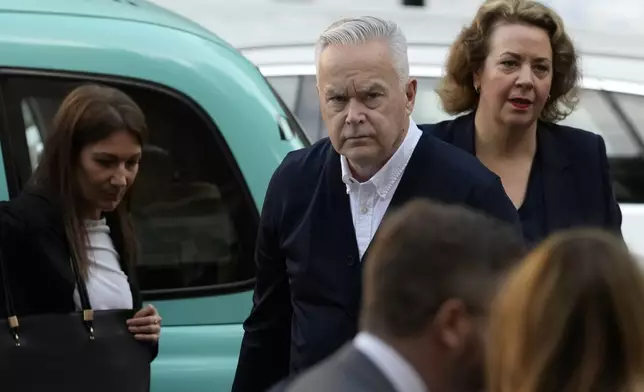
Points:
x=107 y=284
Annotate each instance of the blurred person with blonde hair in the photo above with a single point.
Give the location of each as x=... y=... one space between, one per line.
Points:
x=512 y=74
x=569 y=319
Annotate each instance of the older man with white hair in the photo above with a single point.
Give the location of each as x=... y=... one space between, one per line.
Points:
x=325 y=203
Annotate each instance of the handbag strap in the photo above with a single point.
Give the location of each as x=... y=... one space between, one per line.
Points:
x=8 y=299
x=12 y=317
x=83 y=294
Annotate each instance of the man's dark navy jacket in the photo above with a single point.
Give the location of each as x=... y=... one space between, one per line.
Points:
x=309 y=272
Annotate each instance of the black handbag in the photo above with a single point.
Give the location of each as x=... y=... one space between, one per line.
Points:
x=81 y=351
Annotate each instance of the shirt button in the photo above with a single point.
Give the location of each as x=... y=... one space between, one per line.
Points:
x=364 y=210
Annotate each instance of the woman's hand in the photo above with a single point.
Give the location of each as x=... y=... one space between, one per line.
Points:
x=146 y=324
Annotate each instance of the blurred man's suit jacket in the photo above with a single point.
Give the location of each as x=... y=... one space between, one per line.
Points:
x=348 y=370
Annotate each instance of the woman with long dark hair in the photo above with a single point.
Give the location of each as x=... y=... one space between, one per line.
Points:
x=72 y=219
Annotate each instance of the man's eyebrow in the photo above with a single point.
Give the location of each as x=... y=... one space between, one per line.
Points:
x=374 y=87
x=334 y=91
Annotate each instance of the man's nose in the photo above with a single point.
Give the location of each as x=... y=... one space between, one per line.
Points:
x=355 y=112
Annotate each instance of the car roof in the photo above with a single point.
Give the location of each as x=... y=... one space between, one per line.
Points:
x=613 y=73
x=128 y=10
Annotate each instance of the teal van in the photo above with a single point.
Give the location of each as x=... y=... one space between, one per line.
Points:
x=218 y=131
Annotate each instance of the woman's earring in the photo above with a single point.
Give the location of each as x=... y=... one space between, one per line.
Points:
x=477 y=89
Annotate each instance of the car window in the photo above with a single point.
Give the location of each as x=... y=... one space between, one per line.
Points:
x=308 y=109
x=299 y=94
x=633 y=108
x=428 y=107
x=32 y=133
x=288 y=124
x=287 y=87
x=628 y=172
x=595 y=114
x=194 y=216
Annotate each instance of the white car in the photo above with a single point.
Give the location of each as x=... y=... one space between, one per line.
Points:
x=612 y=104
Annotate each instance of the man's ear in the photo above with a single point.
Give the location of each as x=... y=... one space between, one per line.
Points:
x=453 y=324
x=411 y=88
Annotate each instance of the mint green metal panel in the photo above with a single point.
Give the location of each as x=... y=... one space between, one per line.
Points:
x=197 y=361
x=134 y=10
x=201 y=337
x=205 y=311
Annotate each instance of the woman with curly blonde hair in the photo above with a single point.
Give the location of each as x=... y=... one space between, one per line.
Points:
x=512 y=74
x=569 y=319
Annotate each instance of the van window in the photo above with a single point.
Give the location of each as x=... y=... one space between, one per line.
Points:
x=194 y=215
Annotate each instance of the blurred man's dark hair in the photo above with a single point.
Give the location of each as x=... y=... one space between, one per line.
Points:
x=428 y=284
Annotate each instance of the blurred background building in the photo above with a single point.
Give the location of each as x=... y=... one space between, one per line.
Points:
x=614 y=15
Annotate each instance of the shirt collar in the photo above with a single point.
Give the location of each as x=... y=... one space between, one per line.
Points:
x=386 y=177
x=395 y=368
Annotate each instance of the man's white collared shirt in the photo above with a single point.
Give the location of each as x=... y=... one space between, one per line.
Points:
x=370 y=199
x=393 y=366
